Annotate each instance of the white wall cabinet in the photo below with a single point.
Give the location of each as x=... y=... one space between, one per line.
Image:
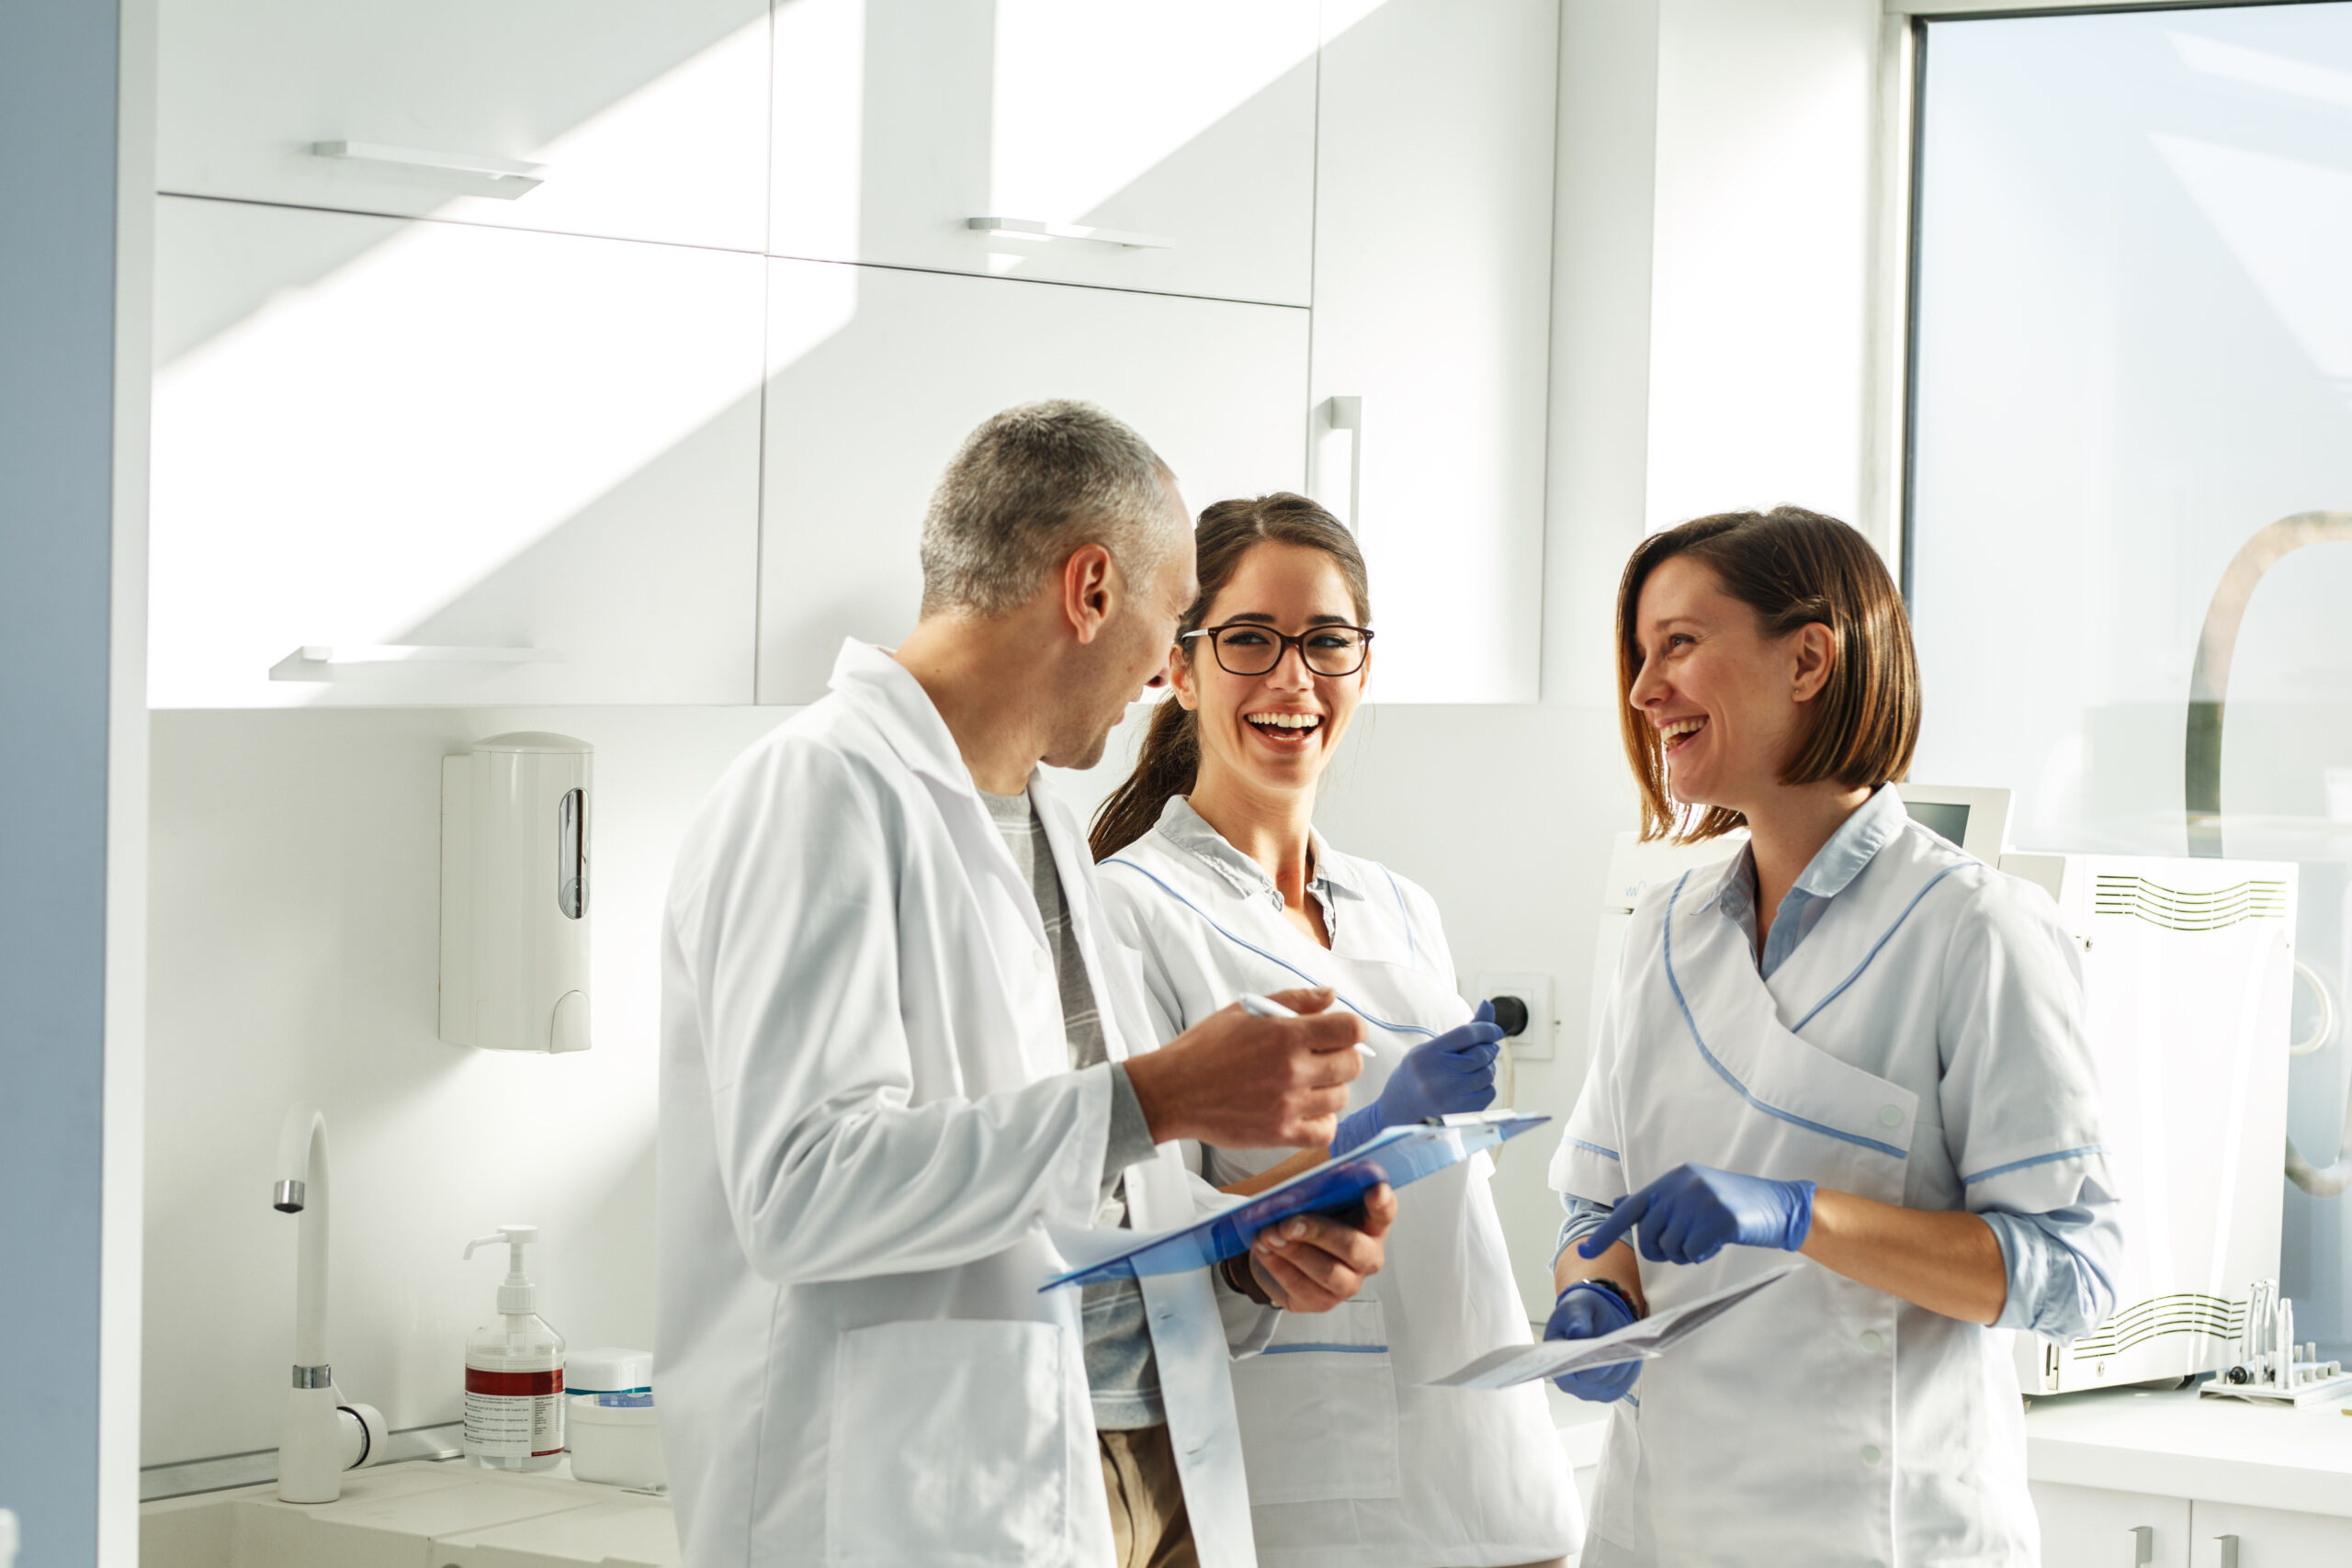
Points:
x=535 y=458
x=1432 y=290
x=1190 y=122
x=2089 y=1527
x=649 y=121
x=875 y=375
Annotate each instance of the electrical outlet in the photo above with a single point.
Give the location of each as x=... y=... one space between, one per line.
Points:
x=1539 y=1039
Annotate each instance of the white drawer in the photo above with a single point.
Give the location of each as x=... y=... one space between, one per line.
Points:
x=373 y=433
x=877 y=375
x=1187 y=121
x=649 y=116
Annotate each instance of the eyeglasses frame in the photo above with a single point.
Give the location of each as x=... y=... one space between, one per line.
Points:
x=1284 y=644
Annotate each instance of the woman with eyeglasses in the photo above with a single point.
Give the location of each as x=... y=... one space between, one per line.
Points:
x=1213 y=872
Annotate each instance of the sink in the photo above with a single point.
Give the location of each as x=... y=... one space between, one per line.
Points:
x=419 y=1514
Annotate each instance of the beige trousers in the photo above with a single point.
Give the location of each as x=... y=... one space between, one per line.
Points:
x=1149 y=1527
x=1147 y=1521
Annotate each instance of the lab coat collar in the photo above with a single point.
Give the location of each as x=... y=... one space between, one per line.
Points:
x=1189 y=830
x=887 y=693
x=1834 y=866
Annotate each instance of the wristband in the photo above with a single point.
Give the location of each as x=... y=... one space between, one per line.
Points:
x=1242 y=1282
x=1612 y=1287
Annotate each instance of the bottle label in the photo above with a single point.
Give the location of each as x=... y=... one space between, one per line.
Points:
x=514 y=1415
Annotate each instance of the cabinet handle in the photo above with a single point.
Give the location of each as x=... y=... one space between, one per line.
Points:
x=2229 y=1551
x=512 y=178
x=316 y=661
x=1335 y=417
x=1030 y=229
x=2143 y=1545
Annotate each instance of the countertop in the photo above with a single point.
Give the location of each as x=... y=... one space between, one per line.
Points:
x=2182 y=1445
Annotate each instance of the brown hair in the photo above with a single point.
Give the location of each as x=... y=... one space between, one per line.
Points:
x=1793 y=567
x=1171 y=758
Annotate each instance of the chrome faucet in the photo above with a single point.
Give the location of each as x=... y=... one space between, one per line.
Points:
x=324 y=1436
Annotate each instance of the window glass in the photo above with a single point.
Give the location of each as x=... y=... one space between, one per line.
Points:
x=2134 y=356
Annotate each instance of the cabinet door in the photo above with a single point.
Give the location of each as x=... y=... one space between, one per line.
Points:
x=2267 y=1538
x=875 y=375
x=648 y=117
x=530 y=459
x=1189 y=124
x=1432 y=305
x=2088 y=1526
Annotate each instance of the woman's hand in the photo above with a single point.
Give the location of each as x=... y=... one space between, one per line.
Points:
x=1949 y=1262
x=1588 y=1310
x=1452 y=1073
x=1695 y=1212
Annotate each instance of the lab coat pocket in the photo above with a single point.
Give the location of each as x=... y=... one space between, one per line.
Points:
x=951 y=1445
x=1319 y=1409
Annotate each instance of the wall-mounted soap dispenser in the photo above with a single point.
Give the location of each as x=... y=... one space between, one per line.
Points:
x=515 y=894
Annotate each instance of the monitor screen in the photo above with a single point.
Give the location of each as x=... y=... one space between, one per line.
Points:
x=1951 y=821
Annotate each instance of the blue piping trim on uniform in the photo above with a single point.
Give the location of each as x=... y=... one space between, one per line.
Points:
x=1883 y=938
x=1596 y=1148
x=1404 y=916
x=1302 y=1347
x=1631 y=1400
x=2038 y=1159
x=1251 y=947
x=1725 y=1073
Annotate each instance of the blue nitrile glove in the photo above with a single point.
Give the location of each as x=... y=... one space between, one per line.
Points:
x=1587 y=1311
x=1454 y=1072
x=1695 y=1212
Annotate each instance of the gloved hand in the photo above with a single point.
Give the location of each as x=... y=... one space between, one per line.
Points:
x=1695 y=1212
x=1587 y=1311
x=1454 y=1072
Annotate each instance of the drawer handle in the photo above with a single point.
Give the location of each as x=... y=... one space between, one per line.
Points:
x=317 y=661
x=2143 y=1545
x=2229 y=1551
x=1030 y=229
x=511 y=177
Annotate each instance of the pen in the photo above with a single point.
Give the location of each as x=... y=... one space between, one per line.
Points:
x=1266 y=1007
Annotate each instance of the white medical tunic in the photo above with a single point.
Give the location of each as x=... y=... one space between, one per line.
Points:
x=1349 y=1462
x=868 y=1117
x=1922 y=1045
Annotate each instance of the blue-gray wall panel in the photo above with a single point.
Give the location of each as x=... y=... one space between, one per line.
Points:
x=57 y=133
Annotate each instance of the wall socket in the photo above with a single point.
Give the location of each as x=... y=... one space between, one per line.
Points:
x=1541 y=1038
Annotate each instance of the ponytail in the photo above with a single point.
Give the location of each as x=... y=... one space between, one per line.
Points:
x=1169 y=762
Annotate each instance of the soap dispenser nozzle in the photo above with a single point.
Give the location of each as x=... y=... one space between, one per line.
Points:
x=514 y=1295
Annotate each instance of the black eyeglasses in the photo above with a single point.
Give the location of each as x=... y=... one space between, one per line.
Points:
x=1245 y=647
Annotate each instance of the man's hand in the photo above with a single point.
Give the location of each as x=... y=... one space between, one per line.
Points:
x=1253 y=1083
x=1313 y=1262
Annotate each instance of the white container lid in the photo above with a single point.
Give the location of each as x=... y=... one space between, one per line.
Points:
x=607 y=1371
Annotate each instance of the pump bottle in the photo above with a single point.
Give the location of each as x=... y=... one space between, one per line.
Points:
x=515 y=1372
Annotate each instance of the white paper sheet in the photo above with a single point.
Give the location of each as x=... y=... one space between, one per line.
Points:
x=1643 y=1341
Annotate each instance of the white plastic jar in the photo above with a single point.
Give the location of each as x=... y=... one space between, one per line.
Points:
x=613 y=1429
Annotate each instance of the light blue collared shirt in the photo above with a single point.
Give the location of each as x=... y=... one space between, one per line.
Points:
x=2055 y=1287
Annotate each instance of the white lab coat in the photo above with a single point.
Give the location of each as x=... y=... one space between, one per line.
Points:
x=1923 y=1046
x=868 y=1116
x=1351 y=1462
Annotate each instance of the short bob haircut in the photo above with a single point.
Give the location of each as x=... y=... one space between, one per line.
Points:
x=1793 y=567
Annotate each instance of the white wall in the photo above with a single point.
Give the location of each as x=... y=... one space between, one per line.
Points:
x=295 y=955
x=1715 y=286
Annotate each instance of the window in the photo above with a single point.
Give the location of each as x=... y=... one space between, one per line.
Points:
x=2133 y=361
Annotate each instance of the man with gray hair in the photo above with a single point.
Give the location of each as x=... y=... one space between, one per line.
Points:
x=904 y=1055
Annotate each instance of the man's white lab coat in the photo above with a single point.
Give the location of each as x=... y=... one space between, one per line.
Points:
x=868 y=1117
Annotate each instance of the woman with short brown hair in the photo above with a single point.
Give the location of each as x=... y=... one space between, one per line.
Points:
x=1851 y=1042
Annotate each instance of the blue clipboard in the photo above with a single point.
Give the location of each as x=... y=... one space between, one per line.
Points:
x=1397 y=1156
